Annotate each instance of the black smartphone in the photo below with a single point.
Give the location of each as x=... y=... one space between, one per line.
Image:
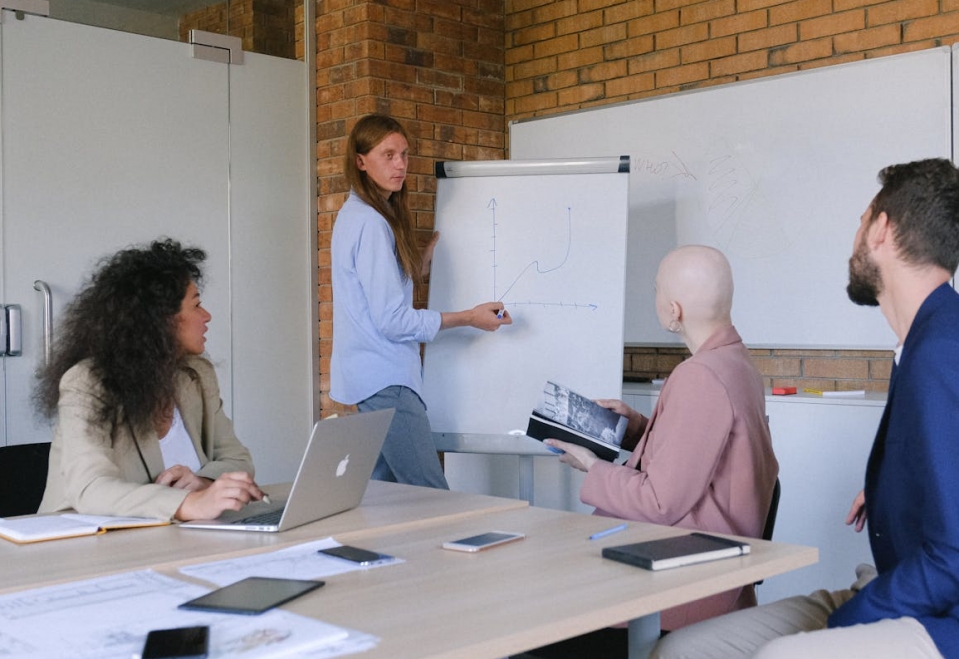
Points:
x=179 y=643
x=252 y=595
x=355 y=554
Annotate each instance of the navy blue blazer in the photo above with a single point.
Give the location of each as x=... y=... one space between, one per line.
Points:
x=912 y=484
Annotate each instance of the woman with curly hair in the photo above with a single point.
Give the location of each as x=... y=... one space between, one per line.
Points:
x=376 y=331
x=140 y=428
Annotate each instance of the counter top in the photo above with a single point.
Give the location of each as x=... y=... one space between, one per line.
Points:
x=870 y=398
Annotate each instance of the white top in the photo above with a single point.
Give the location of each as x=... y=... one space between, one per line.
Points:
x=177 y=446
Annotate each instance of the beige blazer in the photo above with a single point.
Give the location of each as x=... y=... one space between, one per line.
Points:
x=95 y=468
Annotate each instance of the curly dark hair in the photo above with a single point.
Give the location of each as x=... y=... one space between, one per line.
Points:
x=123 y=321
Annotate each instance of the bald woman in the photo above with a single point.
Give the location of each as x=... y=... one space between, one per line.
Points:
x=704 y=460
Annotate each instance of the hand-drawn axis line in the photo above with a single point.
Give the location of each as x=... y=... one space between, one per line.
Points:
x=572 y=305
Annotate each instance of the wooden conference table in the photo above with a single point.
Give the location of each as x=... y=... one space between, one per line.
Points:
x=384 y=506
x=438 y=604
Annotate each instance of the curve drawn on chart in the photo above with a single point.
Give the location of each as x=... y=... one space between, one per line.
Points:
x=537 y=265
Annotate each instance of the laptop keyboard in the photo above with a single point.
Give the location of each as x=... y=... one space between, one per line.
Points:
x=271 y=518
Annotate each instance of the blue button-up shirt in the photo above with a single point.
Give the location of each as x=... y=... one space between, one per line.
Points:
x=376 y=330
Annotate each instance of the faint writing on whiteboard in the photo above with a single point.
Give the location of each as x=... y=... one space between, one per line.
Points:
x=672 y=166
x=533 y=268
x=728 y=186
x=735 y=211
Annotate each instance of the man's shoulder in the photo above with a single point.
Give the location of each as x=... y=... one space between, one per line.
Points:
x=930 y=356
x=939 y=312
x=939 y=329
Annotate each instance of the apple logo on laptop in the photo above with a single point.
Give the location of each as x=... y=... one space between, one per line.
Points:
x=341 y=468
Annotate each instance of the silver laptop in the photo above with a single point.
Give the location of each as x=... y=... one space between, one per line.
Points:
x=332 y=477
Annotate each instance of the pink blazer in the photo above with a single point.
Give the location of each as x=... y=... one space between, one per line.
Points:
x=705 y=461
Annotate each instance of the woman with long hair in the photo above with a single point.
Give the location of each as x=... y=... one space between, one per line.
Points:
x=140 y=428
x=376 y=331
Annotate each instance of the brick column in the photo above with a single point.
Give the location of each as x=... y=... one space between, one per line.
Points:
x=438 y=67
x=264 y=26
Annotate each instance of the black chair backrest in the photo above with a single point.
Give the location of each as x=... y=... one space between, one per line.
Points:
x=23 y=478
x=771 y=515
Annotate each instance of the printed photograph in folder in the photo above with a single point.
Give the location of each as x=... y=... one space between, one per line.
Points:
x=571 y=417
x=677 y=551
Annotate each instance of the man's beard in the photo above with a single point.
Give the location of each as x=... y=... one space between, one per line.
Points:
x=865 y=282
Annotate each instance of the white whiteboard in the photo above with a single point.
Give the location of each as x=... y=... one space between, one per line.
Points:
x=773 y=172
x=552 y=248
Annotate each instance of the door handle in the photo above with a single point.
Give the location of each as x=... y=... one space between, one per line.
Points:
x=3 y=330
x=47 y=319
x=13 y=343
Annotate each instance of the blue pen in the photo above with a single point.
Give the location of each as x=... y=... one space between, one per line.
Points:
x=603 y=534
x=499 y=314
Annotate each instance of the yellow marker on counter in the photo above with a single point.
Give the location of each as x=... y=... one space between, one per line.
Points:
x=815 y=392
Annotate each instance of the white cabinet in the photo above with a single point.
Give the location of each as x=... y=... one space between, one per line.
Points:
x=110 y=139
x=822 y=446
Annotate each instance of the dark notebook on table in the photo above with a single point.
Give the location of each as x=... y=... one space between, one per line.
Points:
x=677 y=551
x=571 y=417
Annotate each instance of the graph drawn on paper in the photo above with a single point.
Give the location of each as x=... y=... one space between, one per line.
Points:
x=536 y=267
x=552 y=249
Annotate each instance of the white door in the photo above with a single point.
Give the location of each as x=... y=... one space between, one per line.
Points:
x=110 y=139
x=271 y=252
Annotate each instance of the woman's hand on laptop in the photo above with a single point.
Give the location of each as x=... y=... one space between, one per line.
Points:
x=231 y=491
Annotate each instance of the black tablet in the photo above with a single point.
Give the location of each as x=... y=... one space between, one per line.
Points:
x=252 y=595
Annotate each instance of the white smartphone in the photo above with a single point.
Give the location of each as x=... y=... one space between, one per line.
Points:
x=483 y=541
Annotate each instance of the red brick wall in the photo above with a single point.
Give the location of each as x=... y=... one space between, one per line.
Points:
x=435 y=65
x=826 y=370
x=568 y=54
x=274 y=27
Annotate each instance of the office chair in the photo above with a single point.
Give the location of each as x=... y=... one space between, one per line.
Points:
x=771 y=515
x=23 y=477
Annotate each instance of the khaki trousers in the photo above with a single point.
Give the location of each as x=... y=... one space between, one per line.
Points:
x=795 y=628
